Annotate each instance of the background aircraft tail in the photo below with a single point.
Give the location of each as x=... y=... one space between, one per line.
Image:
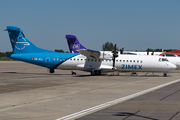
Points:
x=20 y=44
x=74 y=44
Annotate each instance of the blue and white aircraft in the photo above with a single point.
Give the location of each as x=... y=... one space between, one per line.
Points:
x=26 y=51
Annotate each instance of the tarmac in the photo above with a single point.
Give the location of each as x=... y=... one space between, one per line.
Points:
x=30 y=92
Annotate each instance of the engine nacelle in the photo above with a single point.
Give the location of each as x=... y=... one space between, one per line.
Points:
x=106 y=55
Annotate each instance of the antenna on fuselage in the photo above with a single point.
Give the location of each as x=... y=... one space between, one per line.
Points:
x=122 y=50
x=152 y=53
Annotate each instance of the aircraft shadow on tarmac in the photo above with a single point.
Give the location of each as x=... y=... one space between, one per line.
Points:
x=128 y=114
x=87 y=75
x=8 y=72
x=34 y=73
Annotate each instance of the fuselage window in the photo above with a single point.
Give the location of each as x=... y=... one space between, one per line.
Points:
x=99 y=60
x=77 y=59
x=57 y=59
x=123 y=60
x=54 y=59
x=92 y=60
x=70 y=59
x=130 y=60
x=120 y=60
x=109 y=60
x=126 y=60
x=74 y=59
x=81 y=59
x=95 y=60
x=88 y=59
x=116 y=60
x=169 y=55
x=134 y=61
x=64 y=59
x=137 y=60
x=141 y=61
x=60 y=59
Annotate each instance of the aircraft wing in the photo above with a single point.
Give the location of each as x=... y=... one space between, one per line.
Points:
x=90 y=53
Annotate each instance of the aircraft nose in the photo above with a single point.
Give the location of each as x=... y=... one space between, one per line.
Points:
x=173 y=67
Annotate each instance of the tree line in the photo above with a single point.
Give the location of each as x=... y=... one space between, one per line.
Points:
x=108 y=46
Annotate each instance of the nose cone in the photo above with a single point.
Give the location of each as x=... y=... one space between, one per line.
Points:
x=172 y=66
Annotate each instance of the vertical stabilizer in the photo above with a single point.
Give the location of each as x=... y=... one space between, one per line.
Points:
x=73 y=44
x=20 y=44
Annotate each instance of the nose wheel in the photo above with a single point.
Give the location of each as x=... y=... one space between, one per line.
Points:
x=165 y=74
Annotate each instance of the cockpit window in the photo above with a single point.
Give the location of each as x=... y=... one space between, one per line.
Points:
x=160 y=60
x=164 y=59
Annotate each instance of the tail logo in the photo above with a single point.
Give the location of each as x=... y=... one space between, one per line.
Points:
x=76 y=46
x=21 y=44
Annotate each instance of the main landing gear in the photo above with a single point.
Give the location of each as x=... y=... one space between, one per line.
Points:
x=51 y=70
x=95 y=72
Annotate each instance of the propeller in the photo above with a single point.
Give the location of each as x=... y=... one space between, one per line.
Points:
x=122 y=50
x=148 y=51
x=115 y=54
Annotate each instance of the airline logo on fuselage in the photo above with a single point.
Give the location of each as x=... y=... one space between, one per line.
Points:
x=136 y=67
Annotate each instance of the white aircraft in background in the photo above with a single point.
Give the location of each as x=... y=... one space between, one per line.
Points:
x=144 y=53
x=100 y=61
x=172 y=57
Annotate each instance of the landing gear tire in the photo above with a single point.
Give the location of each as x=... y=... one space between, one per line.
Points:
x=51 y=70
x=95 y=72
x=92 y=73
x=165 y=74
x=98 y=72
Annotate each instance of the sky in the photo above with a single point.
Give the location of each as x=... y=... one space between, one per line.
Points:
x=134 y=24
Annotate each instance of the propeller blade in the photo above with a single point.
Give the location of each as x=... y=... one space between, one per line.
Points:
x=115 y=54
x=148 y=51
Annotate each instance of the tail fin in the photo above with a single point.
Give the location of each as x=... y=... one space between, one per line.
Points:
x=74 y=44
x=20 y=44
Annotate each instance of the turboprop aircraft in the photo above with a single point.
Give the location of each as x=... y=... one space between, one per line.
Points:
x=130 y=63
x=26 y=51
x=76 y=47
